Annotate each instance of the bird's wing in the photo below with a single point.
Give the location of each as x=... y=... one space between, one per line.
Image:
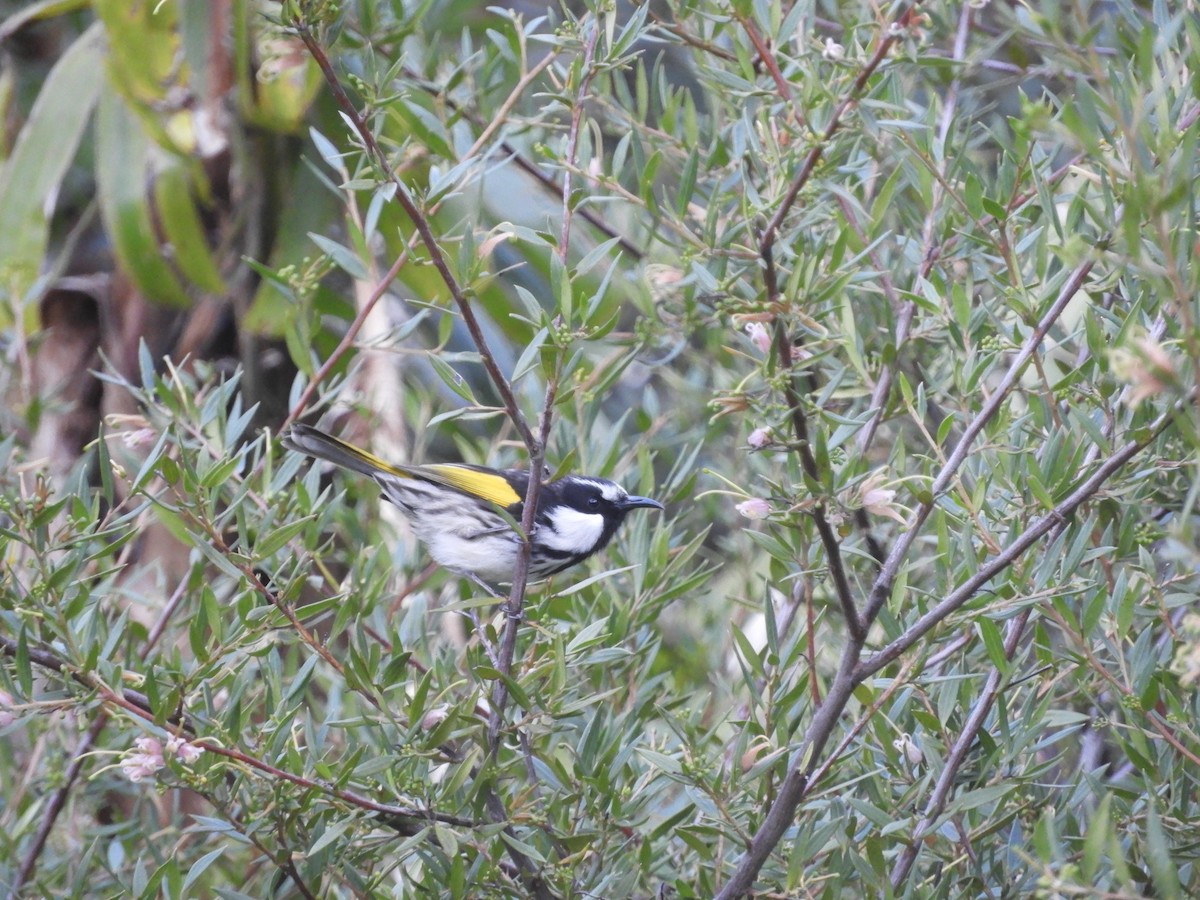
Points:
x=486 y=484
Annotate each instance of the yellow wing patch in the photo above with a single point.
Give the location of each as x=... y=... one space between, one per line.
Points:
x=489 y=486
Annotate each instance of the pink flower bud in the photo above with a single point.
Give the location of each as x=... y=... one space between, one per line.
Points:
x=759 y=336
x=910 y=749
x=184 y=750
x=759 y=438
x=754 y=508
x=143 y=763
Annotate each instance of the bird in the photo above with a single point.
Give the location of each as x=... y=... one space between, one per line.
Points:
x=464 y=514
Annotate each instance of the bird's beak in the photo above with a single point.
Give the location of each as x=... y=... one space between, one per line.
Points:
x=640 y=503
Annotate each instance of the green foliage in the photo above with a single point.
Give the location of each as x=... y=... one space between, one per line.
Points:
x=914 y=291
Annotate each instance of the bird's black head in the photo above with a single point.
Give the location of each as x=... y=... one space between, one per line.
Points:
x=578 y=515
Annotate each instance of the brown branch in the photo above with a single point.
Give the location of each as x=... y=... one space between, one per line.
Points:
x=856 y=624
x=851 y=672
x=883 y=584
x=275 y=600
x=56 y=803
x=678 y=31
x=514 y=606
x=347 y=340
x=890 y=36
x=58 y=799
x=425 y=230
x=958 y=752
x=1032 y=535
x=535 y=444
x=139 y=706
x=829 y=539
x=763 y=49
x=589 y=71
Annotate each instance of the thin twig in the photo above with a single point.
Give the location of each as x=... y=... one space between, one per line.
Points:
x=347 y=340
x=1032 y=535
x=535 y=444
x=589 y=71
x=958 y=753
x=425 y=230
x=851 y=672
x=514 y=608
x=501 y=115
x=855 y=624
x=139 y=706
x=891 y=568
x=900 y=680
x=907 y=310
x=1122 y=687
x=56 y=802
x=829 y=539
x=763 y=49
x=808 y=166
x=58 y=799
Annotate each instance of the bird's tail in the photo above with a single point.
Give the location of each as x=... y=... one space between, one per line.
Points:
x=308 y=440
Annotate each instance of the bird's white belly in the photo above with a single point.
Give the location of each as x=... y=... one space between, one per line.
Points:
x=491 y=557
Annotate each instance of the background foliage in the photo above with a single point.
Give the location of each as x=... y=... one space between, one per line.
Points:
x=894 y=306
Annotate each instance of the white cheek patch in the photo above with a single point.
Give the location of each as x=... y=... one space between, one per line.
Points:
x=572 y=531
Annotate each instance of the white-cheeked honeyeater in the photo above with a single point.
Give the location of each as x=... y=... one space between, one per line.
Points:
x=453 y=509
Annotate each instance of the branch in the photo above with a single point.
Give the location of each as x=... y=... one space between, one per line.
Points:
x=139 y=706
x=851 y=673
x=890 y=36
x=891 y=568
x=829 y=539
x=425 y=230
x=56 y=803
x=856 y=624
x=958 y=753
x=589 y=71
x=763 y=49
x=347 y=340
x=931 y=253
x=514 y=608
x=1034 y=533
x=58 y=799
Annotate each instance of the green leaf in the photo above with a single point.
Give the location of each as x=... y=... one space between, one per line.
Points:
x=451 y=378
x=278 y=539
x=1158 y=854
x=47 y=143
x=199 y=867
x=425 y=126
x=343 y=257
x=1097 y=840
x=123 y=171
x=181 y=221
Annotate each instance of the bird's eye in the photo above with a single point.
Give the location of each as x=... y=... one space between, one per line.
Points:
x=593 y=502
